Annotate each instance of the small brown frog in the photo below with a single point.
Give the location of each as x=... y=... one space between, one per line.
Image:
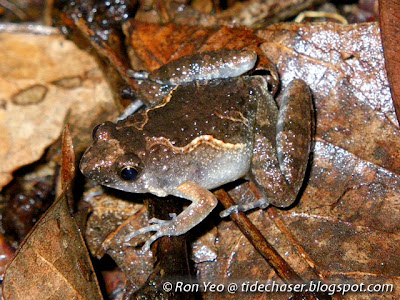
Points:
x=204 y=134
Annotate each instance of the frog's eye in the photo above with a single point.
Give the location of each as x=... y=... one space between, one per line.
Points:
x=129 y=173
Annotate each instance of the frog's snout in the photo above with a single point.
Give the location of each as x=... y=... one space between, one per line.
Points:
x=85 y=165
x=93 y=167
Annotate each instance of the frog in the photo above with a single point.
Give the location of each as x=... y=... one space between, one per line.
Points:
x=207 y=132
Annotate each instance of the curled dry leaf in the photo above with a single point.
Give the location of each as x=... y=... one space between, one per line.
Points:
x=41 y=79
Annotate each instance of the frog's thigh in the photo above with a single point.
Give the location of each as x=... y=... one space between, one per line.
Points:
x=294 y=132
x=203 y=202
x=279 y=185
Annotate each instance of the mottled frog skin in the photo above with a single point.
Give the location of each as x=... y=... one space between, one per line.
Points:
x=204 y=134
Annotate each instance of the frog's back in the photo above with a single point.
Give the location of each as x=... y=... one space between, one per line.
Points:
x=223 y=108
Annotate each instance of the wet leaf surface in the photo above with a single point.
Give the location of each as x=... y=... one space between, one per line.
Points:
x=110 y=221
x=345 y=225
x=389 y=24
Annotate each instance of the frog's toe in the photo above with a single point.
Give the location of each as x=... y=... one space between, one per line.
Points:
x=138 y=75
x=261 y=203
x=161 y=227
x=154 y=227
x=162 y=222
x=153 y=238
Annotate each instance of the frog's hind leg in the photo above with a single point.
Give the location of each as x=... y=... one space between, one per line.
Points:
x=295 y=131
x=282 y=143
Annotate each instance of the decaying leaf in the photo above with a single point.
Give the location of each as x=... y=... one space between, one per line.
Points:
x=53 y=258
x=52 y=263
x=35 y=98
x=111 y=220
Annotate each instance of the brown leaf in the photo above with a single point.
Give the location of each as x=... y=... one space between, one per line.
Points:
x=345 y=226
x=390 y=23
x=29 y=65
x=68 y=171
x=148 y=49
x=68 y=158
x=53 y=260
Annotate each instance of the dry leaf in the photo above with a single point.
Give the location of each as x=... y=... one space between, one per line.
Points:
x=34 y=73
x=148 y=51
x=53 y=258
x=110 y=221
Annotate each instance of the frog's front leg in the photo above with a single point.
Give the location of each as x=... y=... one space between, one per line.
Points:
x=203 y=202
x=282 y=146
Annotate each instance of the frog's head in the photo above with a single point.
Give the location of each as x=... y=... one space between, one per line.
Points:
x=110 y=161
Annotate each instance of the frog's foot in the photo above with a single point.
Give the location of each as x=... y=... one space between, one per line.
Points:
x=162 y=228
x=203 y=202
x=139 y=75
x=261 y=203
